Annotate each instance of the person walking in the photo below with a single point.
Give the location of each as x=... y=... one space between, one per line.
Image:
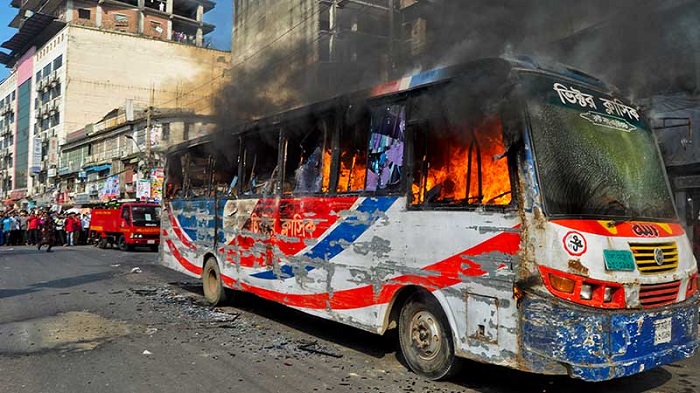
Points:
x=48 y=232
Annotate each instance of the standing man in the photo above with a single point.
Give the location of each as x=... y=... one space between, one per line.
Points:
x=23 y=222
x=48 y=231
x=32 y=229
x=7 y=228
x=69 y=225
x=85 y=224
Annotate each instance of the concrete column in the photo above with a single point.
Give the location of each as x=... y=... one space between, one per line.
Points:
x=69 y=10
x=169 y=6
x=199 y=37
x=98 y=16
x=200 y=13
x=141 y=17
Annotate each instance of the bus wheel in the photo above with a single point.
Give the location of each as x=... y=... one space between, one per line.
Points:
x=425 y=337
x=214 y=291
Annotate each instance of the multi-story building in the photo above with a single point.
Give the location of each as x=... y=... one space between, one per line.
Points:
x=72 y=61
x=285 y=53
x=127 y=143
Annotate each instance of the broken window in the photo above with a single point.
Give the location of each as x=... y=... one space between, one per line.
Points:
x=260 y=162
x=173 y=177
x=353 y=152
x=197 y=165
x=307 y=157
x=460 y=164
x=385 y=152
x=459 y=153
x=225 y=167
x=83 y=13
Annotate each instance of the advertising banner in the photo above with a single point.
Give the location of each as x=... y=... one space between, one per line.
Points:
x=157 y=178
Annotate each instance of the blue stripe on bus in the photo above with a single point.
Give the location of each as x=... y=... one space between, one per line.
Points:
x=346 y=232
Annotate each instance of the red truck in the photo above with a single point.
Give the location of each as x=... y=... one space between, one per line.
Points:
x=127 y=225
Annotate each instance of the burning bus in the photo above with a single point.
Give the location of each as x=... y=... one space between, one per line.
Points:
x=500 y=211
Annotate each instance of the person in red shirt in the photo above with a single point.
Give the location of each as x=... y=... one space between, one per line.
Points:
x=33 y=228
x=69 y=227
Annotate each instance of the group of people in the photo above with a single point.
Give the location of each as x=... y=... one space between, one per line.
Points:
x=43 y=227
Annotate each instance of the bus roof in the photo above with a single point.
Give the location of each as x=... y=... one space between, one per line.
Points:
x=501 y=67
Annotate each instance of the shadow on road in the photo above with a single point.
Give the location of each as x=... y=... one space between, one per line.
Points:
x=65 y=282
x=473 y=375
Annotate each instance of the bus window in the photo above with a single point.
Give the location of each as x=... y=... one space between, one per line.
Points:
x=307 y=158
x=198 y=174
x=260 y=162
x=353 y=154
x=225 y=167
x=385 y=150
x=460 y=164
x=173 y=187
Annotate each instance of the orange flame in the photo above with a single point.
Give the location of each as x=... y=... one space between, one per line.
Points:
x=326 y=170
x=352 y=174
x=452 y=175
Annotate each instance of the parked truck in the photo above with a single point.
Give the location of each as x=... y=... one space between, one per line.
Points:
x=126 y=225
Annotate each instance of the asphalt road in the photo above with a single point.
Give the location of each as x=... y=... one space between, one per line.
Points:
x=88 y=320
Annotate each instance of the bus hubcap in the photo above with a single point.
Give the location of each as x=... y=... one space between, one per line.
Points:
x=425 y=334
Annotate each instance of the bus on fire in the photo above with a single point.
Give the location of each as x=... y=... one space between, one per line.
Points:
x=499 y=211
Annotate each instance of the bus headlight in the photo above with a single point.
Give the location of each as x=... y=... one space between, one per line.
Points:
x=586 y=292
x=607 y=295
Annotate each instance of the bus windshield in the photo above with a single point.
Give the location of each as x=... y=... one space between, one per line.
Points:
x=594 y=154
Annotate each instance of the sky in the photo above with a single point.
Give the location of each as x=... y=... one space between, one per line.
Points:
x=221 y=17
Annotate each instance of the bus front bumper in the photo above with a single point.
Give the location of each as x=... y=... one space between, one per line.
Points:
x=597 y=344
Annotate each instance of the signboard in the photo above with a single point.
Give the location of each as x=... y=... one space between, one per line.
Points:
x=143 y=190
x=53 y=151
x=51 y=172
x=684 y=182
x=36 y=156
x=81 y=198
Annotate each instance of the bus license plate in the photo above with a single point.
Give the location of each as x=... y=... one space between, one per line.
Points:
x=151 y=242
x=662 y=331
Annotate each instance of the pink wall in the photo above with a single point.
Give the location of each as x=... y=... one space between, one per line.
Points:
x=25 y=66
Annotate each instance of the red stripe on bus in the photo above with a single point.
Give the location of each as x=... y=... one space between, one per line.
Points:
x=182 y=260
x=440 y=275
x=623 y=229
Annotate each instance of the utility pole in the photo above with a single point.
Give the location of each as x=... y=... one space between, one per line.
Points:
x=149 y=111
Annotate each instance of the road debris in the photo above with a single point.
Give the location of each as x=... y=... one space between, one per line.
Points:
x=314 y=348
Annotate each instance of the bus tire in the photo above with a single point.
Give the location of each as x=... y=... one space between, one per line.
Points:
x=214 y=291
x=425 y=337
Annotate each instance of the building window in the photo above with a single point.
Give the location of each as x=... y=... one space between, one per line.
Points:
x=157 y=27
x=58 y=62
x=121 y=20
x=83 y=13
